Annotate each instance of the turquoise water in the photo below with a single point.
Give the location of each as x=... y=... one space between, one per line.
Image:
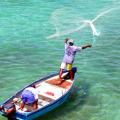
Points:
x=26 y=54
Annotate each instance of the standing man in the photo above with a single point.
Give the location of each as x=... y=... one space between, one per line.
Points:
x=69 y=55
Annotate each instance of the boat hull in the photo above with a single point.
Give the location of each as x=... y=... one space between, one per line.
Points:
x=43 y=110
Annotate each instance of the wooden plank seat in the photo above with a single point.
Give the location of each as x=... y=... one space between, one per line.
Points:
x=45 y=97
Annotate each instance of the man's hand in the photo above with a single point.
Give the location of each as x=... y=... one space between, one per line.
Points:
x=86 y=46
x=89 y=45
x=66 y=40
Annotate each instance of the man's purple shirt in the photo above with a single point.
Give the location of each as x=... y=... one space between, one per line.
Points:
x=70 y=52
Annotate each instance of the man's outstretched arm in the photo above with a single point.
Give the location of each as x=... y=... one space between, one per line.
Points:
x=86 y=46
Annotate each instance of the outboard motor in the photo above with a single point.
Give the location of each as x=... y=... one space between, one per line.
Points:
x=8 y=109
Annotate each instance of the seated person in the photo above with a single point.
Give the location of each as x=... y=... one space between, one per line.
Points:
x=29 y=97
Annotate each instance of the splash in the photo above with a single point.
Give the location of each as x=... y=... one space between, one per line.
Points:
x=85 y=23
x=94 y=31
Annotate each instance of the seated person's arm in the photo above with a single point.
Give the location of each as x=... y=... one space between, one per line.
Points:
x=22 y=105
x=24 y=100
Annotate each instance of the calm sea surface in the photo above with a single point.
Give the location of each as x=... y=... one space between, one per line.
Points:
x=27 y=53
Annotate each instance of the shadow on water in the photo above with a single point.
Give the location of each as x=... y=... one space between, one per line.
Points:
x=77 y=99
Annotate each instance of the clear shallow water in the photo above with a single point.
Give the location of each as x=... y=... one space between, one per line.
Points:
x=26 y=54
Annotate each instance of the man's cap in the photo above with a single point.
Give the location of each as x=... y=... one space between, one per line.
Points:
x=70 y=41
